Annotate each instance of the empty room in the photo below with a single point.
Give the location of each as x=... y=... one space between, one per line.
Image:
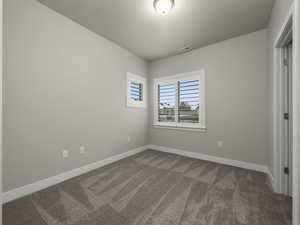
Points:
x=150 y=112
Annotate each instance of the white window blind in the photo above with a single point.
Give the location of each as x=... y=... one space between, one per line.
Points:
x=136 y=91
x=167 y=101
x=188 y=109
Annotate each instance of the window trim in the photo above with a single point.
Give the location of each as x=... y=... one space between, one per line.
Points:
x=174 y=79
x=138 y=79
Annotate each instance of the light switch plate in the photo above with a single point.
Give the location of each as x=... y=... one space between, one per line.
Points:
x=65 y=153
x=82 y=149
x=220 y=144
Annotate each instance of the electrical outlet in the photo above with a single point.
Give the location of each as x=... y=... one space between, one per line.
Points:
x=82 y=149
x=65 y=153
x=128 y=139
x=220 y=144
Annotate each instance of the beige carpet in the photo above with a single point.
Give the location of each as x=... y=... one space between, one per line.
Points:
x=154 y=188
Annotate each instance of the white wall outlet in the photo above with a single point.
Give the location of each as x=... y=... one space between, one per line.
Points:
x=82 y=149
x=128 y=139
x=65 y=153
x=220 y=144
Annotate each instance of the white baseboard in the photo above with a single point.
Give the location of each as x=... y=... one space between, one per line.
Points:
x=42 y=184
x=230 y=162
x=45 y=183
x=272 y=181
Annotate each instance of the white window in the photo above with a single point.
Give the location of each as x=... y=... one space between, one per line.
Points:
x=179 y=101
x=136 y=91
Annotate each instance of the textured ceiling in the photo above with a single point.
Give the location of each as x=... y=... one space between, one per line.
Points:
x=134 y=25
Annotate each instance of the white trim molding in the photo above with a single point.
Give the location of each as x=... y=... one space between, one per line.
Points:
x=296 y=114
x=271 y=179
x=216 y=159
x=45 y=183
x=1 y=101
x=278 y=121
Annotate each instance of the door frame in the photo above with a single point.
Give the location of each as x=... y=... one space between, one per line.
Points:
x=1 y=107
x=278 y=102
x=287 y=107
x=294 y=14
x=296 y=113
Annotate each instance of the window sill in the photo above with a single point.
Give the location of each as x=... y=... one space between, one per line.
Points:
x=136 y=105
x=192 y=129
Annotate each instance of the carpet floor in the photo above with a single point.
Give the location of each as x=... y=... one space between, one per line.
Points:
x=155 y=188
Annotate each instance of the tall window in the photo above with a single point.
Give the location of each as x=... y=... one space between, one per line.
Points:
x=180 y=100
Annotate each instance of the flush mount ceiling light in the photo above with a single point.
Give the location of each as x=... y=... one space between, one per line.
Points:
x=163 y=7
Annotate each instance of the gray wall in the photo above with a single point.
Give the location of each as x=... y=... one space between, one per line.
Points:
x=237 y=95
x=64 y=86
x=279 y=14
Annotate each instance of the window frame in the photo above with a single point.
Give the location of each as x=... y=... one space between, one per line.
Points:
x=175 y=79
x=137 y=79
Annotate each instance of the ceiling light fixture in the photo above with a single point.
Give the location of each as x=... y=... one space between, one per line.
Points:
x=163 y=7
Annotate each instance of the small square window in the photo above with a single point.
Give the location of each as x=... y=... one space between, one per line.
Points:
x=136 y=90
